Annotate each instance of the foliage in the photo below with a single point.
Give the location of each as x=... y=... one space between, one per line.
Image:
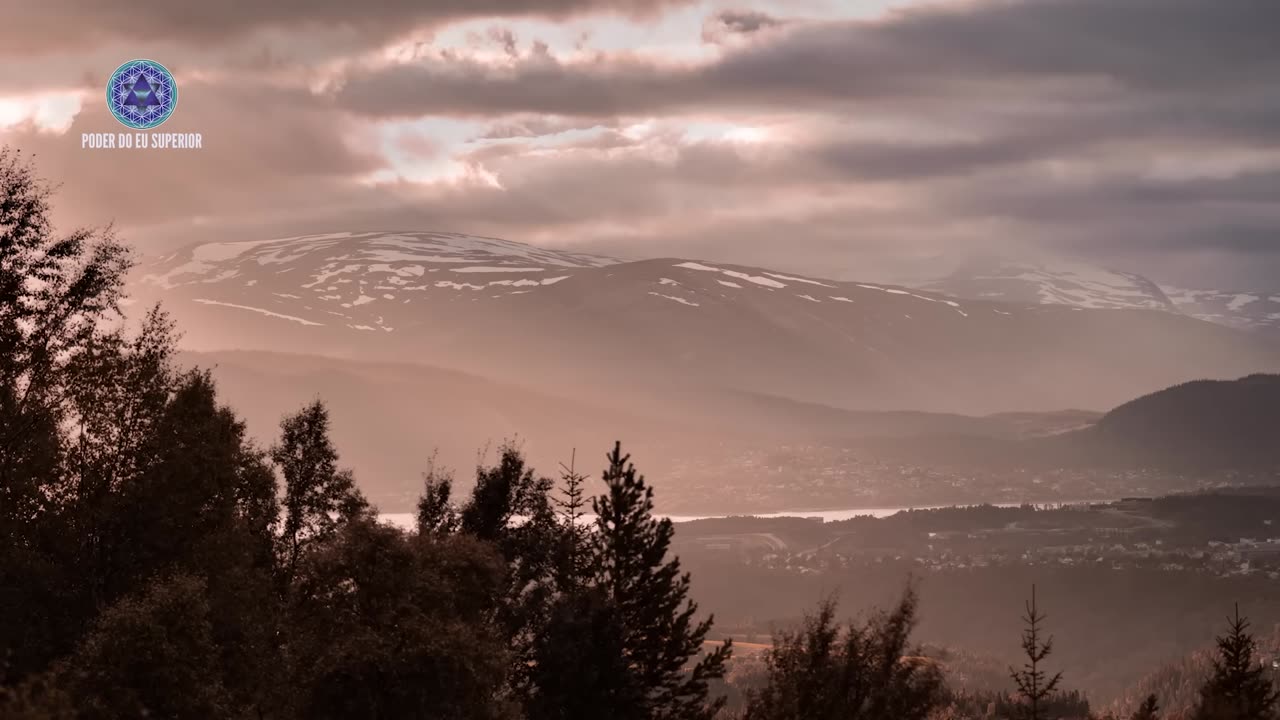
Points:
x=825 y=672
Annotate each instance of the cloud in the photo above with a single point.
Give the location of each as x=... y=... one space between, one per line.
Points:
x=727 y=24
x=58 y=25
x=1139 y=131
x=1050 y=51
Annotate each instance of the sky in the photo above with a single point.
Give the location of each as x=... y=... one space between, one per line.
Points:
x=872 y=139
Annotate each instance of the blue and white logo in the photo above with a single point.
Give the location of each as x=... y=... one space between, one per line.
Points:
x=142 y=94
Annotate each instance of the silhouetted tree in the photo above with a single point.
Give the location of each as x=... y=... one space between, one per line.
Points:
x=318 y=496
x=396 y=626
x=580 y=669
x=824 y=672
x=150 y=655
x=58 y=297
x=649 y=593
x=436 y=514
x=572 y=565
x=1034 y=685
x=1239 y=688
x=55 y=294
x=1148 y=710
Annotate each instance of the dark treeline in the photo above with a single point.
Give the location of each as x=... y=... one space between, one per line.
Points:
x=154 y=562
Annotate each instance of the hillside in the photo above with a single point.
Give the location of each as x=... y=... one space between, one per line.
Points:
x=1201 y=424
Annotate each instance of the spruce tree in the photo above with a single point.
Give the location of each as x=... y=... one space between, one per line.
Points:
x=649 y=593
x=1034 y=685
x=572 y=565
x=1239 y=688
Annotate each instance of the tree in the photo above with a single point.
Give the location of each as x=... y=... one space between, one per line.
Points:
x=1239 y=688
x=318 y=496
x=150 y=655
x=58 y=296
x=580 y=669
x=393 y=626
x=1148 y=710
x=868 y=672
x=572 y=565
x=1034 y=685
x=55 y=295
x=649 y=593
x=510 y=508
x=436 y=514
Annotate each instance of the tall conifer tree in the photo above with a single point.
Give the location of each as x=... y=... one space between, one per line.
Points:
x=1239 y=688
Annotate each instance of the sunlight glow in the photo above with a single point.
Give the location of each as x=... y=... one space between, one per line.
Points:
x=50 y=112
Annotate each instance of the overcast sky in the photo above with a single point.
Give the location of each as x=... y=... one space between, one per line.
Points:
x=850 y=138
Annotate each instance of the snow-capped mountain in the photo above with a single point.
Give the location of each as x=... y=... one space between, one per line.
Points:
x=1060 y=282
x=1258 y=311
x=1079 y=284
x=568 y=322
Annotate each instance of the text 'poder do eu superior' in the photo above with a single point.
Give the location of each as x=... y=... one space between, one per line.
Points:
x=138 y=140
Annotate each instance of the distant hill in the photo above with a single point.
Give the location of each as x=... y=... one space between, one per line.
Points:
x=1207 y=424
x=1198 y=426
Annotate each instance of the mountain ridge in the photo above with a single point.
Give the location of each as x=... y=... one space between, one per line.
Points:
x=576 y=323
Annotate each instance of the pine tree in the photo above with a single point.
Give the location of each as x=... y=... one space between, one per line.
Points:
x=1035 y=686
x=1239 y=688
x=650 y=596
x=1148 y=710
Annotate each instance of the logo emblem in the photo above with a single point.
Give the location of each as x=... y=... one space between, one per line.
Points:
x=142 y=94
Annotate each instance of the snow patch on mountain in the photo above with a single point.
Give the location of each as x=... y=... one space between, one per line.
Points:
x=268 y=313
x=680 y=300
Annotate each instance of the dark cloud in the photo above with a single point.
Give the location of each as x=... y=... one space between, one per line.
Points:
x=1136 y=131
x=53 y=25
x=728 y=24
x=1052 y=50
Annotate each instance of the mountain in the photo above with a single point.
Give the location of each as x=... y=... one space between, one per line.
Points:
x=611 y=332
x=1258 y=311
x=1078 y=284
x=1058 y=282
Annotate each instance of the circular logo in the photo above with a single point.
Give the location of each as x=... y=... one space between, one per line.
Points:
x=142 y=94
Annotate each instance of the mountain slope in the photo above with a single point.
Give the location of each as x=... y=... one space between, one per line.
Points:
x=1059 y=282
x=603 y=330
x=1078 y=284
x=1259 y=311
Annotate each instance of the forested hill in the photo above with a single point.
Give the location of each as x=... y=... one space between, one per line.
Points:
x=1200 y=424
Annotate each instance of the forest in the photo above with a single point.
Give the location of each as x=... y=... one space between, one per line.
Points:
x=156 y=562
